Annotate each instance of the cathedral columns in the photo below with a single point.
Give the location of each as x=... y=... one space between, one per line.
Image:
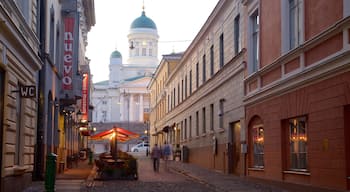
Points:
x=122 y=108
x=131 y=108
x=141 y=108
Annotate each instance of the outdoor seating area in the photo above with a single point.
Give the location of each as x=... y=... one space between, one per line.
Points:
x=122 y=167
x=116 y=164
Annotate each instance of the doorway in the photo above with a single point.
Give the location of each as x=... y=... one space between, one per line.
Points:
x=2 y=97
x=233 y=148
x=347 y=142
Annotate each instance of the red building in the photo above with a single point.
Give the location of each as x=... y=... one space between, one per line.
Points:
x=297 y=92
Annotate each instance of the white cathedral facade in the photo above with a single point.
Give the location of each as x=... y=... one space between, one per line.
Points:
x=124 y=96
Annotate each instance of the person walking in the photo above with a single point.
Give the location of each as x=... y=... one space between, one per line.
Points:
x=155 y=154
x=166 y=154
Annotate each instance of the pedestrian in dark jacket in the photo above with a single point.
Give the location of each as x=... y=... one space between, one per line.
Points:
x=156 y=154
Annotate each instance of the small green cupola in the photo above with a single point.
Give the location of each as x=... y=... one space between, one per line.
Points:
x=116 y=54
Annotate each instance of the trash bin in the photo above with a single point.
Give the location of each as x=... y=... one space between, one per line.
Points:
x=50 y=173
x=185 y=154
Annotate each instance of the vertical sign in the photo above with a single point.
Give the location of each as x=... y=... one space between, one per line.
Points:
x=85 y=97
x=68 y=53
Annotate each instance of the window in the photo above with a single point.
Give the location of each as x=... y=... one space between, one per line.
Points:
x=257 y=133
x=204 y=69
x=254 y=56
x=182 y=131
x=197 y=75
x=221 y=113
x=174 y=99
x=294 y=23
x=190 y=127
x=190 y=82
x=150 y=52
x=185 y=129
x=137 y=51
x=178 y=93
x=212 y=60
x=143 y=51
x=169 y=106
x=52 y=35
x=197 y=123
x=104 y=115
x=211 y=117
x=185 y=86
x=236 y=35
x=297 y=144
x=204 y=120
x=182 y=90
x=221 y=50
x=24 y=7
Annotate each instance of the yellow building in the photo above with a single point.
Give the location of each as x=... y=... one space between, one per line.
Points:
x=197 y=103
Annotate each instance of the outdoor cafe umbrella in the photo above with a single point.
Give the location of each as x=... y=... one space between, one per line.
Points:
x=114 y=135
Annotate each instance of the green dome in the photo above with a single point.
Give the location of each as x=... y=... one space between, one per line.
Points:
x=116 y=54
x=143 y=22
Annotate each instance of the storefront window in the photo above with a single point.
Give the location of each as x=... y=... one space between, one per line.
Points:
x=298 y=144
x=258 y=146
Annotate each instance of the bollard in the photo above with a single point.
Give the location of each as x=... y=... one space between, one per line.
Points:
x=50 y=174
x=90 y=157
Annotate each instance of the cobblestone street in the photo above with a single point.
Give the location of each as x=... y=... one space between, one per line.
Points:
x=150 y=181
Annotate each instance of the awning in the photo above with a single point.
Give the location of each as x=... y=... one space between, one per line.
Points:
x=166 y=129
x=121 y=134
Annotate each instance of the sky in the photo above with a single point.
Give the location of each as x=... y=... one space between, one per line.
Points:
x=177 y=21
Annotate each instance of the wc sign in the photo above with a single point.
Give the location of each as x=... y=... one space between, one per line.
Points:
x=28 y=91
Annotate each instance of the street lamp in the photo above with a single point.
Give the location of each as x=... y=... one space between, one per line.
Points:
x=147 y=135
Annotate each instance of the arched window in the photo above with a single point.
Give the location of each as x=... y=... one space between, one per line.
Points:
x=256 y=142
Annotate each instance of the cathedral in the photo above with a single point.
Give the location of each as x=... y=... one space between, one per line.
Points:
x=124 y=96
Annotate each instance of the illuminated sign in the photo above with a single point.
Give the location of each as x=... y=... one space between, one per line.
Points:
x=68 y=54
x=85 y=97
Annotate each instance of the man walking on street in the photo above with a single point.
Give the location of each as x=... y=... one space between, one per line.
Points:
x=155 y=154
x=166 y=154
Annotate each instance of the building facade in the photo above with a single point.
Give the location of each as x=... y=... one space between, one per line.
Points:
x=19 y=65
x=124 y=96
x=275 y=104
x=42 y=54
x=297 y=92
x=197 y=100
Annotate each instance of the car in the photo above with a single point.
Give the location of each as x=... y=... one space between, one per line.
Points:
x=141 y=147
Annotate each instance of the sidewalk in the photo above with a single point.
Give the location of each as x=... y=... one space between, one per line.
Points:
x=70 y=180
x=226 y=182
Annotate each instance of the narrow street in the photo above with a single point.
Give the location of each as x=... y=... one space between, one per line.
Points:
x=151 y=181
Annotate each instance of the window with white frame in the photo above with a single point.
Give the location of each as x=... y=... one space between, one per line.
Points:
x=254 y=42
x=24 y=7
x=292 y=24
x=297 y=136
x=294 y=10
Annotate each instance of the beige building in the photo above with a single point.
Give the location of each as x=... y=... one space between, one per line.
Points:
x=19 y=64
x=197 y=102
